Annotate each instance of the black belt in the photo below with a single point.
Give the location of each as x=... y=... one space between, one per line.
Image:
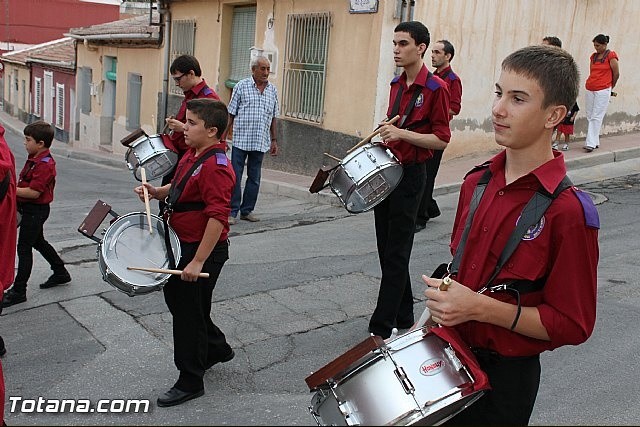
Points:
x=492 y=356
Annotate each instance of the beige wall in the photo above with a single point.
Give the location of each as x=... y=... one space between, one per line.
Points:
x=144 y=61
x=17 y=103
x=494 y=28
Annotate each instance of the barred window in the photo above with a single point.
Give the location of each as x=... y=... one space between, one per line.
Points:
x=183 y=35
x=305 y=66
x=243 y=30
x=59 y=106
x=37 y=97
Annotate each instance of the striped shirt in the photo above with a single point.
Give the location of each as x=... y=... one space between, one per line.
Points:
x=253 y=113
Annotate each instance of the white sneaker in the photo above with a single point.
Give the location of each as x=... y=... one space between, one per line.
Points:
x=555 y=146
x=565 y=147
x=232 y=220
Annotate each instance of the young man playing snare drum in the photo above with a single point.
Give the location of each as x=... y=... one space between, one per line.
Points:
x=199 y=218
x=552 y=273
x=422 y=101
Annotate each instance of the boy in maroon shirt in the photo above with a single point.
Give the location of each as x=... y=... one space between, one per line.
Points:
x=34 y=195
x=199 y=217
x=541 y=296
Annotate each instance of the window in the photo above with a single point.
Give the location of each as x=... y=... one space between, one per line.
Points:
x=134 y=98
x=84 y=89
x=305 y=66
x=37 y=97
x=183 y=33
x=243 y=32
x=59 y=106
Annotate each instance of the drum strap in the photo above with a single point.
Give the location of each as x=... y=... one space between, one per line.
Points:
x=396 y=104
x=172 y=205
x=530 y=216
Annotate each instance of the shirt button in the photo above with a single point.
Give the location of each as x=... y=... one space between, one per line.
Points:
x=485 y=229
x=501 y=193
x=473 y=266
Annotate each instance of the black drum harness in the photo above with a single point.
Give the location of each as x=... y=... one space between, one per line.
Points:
x=172 y=204
x=530 y=216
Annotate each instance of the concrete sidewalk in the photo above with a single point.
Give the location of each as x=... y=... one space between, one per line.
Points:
x=450 y=175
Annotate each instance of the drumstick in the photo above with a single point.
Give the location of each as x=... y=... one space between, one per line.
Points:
x=333 y=157
x=374 y=133
x=164 y=271
x=143 y=174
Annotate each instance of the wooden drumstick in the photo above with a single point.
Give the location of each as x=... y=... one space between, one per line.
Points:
x=374 y=133
x=143 y=174
x=164 y=271
x=332 y=157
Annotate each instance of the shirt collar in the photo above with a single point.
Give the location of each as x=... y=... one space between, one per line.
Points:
x=443 y=72
x=41 y=156
x=549 y=174
x=421 y=78
x=197 y=88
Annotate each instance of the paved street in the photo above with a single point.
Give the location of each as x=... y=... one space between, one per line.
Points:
x=297 y=292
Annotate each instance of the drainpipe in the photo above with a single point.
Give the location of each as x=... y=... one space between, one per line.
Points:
x=165 y=21
x=412 y=4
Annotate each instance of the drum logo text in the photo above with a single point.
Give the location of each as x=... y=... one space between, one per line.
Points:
x=432 y=367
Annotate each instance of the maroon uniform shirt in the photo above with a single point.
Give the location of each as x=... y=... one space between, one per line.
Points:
x=563 y=247
x=201 y=90
x=430 y=113
x=455 y=89
x=39 y=174
x=212 y=183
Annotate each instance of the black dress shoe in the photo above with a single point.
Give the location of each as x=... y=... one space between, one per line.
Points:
x=12 y=297
x=224 y=359
x=420 y=227
x=175 y=397
x=56 y=279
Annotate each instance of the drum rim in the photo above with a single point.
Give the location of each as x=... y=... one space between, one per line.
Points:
x=107 y=270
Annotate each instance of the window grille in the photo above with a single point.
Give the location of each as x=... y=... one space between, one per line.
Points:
x=183 y=34
x=243 y=30
x=134 y=98
x=59 y=106
x=37 y=97
x=305 y=66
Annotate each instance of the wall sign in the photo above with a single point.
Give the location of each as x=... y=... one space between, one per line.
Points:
x=363 y=6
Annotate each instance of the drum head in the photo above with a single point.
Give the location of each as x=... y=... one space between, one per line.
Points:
x=128 y=243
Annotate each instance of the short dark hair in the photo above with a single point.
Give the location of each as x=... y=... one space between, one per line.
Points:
x=416 y=30
x=40 y=131
x=213 y=112
x=554 y=69
x=553 y=41
x=601 y=38
x=448 y=48
x=184 y=64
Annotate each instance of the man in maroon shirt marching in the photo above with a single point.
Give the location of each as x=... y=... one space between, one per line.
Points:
x=441 y=56
x=514 y=292
x=422 y=101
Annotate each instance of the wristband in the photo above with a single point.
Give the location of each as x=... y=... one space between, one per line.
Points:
x=515 y=320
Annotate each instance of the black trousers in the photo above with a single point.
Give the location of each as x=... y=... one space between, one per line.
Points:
x=31 y=236
x=395 y=221
x=514 y=382
x=428 y=205
x=197 y=341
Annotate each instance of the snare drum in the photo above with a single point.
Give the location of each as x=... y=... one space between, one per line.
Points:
x=417 y=378
x=152 y=153
x=366 y=177
x=128 y=242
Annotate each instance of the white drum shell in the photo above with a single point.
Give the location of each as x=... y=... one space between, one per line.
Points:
x=372 y=393
x=151 y=153
x=365 y=177
x=128 y=243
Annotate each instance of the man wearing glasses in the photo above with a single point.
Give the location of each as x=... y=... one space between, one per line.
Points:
x=186 y=72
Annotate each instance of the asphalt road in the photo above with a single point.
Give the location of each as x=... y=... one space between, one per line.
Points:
x=297 y=293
